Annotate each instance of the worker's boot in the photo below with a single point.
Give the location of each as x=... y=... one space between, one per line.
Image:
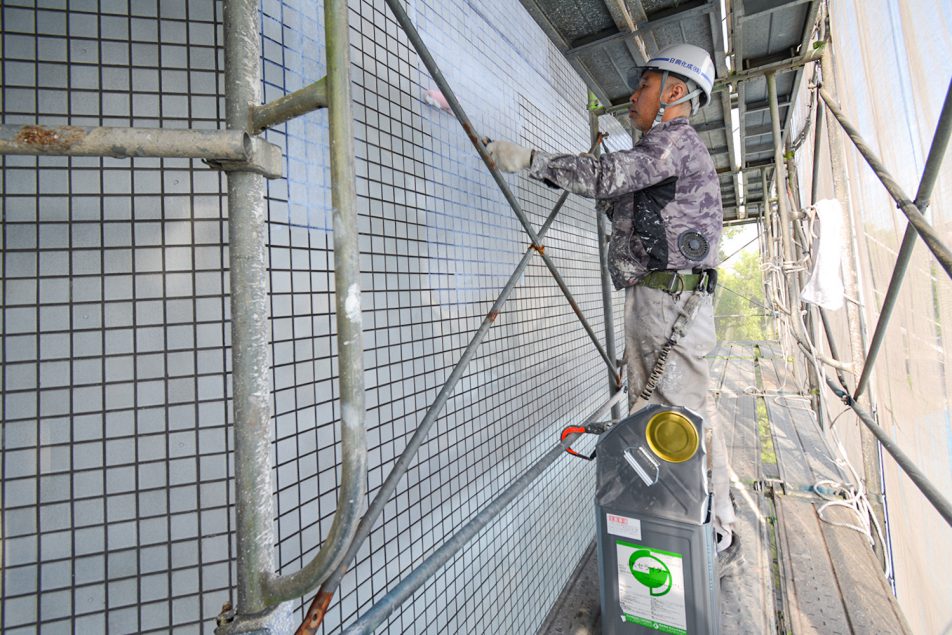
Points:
x=730 y=560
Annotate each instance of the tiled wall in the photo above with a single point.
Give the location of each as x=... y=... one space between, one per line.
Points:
x=117 y=500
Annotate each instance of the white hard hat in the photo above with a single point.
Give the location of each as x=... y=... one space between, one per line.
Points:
x=689 y=62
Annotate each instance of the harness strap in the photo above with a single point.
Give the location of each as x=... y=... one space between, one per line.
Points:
x=688 y=311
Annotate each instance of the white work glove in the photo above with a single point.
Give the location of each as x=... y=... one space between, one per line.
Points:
x=508 y=156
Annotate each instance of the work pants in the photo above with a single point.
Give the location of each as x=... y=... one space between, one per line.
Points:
x=649 y=318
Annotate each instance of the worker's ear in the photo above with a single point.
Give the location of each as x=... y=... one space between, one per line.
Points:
x=675 y=90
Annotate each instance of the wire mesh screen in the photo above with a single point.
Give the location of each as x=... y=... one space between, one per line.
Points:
x=911 y=385
x=118 y=499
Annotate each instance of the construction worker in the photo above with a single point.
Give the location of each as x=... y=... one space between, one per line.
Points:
x=664 y=201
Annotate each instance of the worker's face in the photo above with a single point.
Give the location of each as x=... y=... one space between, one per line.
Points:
x=645 y=101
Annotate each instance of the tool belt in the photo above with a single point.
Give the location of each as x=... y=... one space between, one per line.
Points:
x=675 y=283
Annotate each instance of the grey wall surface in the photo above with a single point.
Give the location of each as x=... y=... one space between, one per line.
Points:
x=116 y=459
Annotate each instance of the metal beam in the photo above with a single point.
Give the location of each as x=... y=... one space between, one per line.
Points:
x=757 y=72
x=251 y=370
x=605 y=278
x=348 y=314
x=223 y=149
x=766 y=12
x=727 y=123
x=685 y=11
x=761 y=106
x=738 y=44
x=262 y=597
x=121 y=143
x=710 y=126
x=750 y=167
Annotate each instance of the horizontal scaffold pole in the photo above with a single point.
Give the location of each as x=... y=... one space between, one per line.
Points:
x=300 y=102
x=222 y=145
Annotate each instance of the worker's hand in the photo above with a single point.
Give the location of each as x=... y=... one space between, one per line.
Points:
x=508 y=156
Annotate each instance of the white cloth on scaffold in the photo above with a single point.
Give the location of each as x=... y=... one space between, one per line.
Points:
x=825 y=287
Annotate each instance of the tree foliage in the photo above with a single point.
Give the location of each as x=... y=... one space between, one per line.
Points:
x=739 y=312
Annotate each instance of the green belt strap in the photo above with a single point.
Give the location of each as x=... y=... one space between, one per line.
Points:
x=666 y=281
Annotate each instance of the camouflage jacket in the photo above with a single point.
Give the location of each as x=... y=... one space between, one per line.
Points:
x=662 y=196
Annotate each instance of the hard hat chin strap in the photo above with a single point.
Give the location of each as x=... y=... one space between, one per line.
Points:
x=663 y=104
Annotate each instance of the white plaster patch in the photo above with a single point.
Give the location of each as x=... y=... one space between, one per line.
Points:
x=352 y=303
x=351 y=416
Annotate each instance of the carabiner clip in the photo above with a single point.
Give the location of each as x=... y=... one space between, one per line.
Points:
x=577 y=430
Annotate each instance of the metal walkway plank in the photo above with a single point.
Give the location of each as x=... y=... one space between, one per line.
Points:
x=747 y=599
x=793 y=463
x=870 y=604
x=813 y=441
x=812 y=600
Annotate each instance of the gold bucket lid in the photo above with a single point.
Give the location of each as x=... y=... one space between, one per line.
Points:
x=672 y=436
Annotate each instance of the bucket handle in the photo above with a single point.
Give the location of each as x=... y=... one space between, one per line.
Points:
x=635 y=462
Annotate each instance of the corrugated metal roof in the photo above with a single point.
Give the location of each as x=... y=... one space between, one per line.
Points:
x=605 y=39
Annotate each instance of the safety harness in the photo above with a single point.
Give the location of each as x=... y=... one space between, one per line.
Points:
x=702 y=283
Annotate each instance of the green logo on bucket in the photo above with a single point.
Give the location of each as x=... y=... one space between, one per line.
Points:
x=650 y=572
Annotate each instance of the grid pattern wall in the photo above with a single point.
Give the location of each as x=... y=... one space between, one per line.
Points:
x=116 y=464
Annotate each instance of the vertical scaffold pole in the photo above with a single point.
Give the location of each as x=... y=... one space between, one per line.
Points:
x=247 y=233
x=602 y=238
x=872 y=468
x=790 y=282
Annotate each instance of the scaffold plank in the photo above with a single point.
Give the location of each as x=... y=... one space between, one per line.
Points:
x=791 y=459
x=869 y=601
x=812 y=599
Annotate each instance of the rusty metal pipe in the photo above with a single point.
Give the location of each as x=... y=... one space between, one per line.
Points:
x=220 y=145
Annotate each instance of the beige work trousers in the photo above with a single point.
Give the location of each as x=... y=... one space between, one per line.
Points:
x=649 y=317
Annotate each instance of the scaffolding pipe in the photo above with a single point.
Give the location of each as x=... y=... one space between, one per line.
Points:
x=605 y=279
x=251 y=370
x=904 y=461
x=870 y=451
x=817 y=140
x=908 y=207
x=404 y=20
x=300 y=102
x=429 y=567
x=320 y=603
x=940 y=142
x=259 y=590
x=121 y=143
x=767 y=69
x=348 y=313
x=249 y=322
x=779 y=168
